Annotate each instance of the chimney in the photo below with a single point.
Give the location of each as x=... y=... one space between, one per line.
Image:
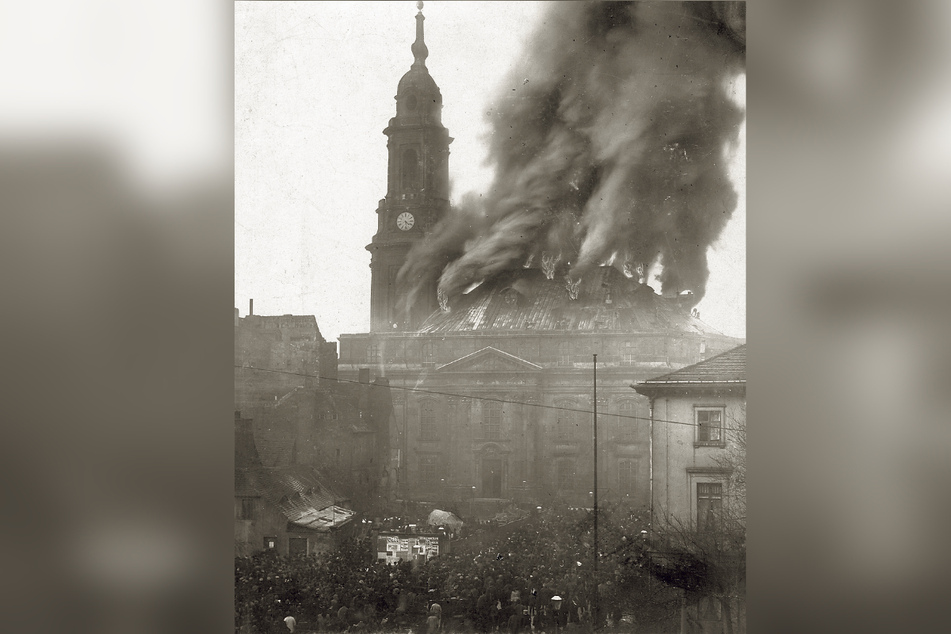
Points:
x=251 y=308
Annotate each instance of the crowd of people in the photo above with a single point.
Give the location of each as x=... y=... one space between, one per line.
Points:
x=508 y=586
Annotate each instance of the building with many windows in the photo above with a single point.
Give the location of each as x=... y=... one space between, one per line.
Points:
x=492 y=400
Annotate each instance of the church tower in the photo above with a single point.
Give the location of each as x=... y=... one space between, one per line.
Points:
x=417 y=191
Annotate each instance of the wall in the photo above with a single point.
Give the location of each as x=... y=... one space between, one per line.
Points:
x=680 y=462
x=267 y=521
x=299 y=418
x=275 y=354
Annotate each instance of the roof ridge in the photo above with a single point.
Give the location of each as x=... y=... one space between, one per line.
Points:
x=687 y=370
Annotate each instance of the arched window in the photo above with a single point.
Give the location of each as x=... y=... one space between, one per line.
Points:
x=410 y=169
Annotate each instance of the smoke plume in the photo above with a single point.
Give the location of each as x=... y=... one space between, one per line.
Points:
x=610 y=143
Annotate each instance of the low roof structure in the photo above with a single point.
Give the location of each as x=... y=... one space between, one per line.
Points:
x=725 y=371
x=301 y=495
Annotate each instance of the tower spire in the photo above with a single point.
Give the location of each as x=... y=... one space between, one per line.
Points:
x=420 y=52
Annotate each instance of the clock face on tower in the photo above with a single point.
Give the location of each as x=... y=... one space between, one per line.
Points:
x=405 y=221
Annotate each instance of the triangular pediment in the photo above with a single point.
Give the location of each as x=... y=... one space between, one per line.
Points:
x=489 y=360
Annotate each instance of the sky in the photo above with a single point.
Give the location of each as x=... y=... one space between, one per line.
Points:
x=314 y=89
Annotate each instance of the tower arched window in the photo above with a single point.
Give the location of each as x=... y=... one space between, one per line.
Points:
x=410 y=169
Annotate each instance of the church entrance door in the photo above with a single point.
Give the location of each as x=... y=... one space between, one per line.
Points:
x=492 y=477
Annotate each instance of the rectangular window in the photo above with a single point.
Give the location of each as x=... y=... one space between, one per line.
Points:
x=565 y=475
x=427 y=421
x=566 y=422
x=710 y=425
x=630 y=418
x=428 y=473
x=626 y=472
x=296 y=546
x=564 y=354
x=491 y=420
x=709 y=504
x=627 y=353
x=270 y=543
x=244 y=508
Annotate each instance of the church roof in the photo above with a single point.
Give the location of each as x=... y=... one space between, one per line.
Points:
x=527 y=300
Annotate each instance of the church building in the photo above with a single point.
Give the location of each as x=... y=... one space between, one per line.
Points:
x=492 y=401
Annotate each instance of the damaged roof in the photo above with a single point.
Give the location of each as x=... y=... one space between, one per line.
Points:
x=604 y=301
x=301 y=494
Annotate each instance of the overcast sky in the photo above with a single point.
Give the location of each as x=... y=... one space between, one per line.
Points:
x=314 y=89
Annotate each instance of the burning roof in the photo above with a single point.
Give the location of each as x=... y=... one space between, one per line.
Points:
x=611 y=140
x=605 y=300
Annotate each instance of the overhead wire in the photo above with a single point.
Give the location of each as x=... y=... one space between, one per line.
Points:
x=487 y=398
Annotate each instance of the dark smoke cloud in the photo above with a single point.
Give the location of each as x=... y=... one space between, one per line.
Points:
x=610 y=142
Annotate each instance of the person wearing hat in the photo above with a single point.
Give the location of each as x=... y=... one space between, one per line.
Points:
x=290 y=622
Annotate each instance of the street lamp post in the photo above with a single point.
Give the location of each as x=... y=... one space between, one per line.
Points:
x=556 y=606
x=595 y=492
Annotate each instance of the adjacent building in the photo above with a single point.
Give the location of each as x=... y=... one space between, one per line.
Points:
x=289 y=509
x=302 y=416
x=698 y=440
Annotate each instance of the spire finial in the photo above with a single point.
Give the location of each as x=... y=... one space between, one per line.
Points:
x=420 y=52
